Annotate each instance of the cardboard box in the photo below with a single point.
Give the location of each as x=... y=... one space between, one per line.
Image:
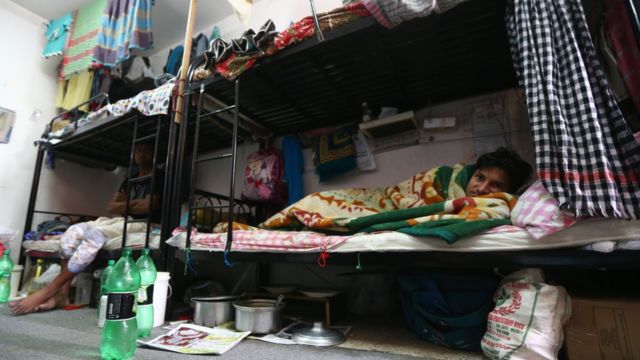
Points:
x=607 y=329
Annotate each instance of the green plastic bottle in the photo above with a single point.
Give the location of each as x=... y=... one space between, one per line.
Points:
x=6 y=265
x=148 y=275
x=5 y=287
x=102 y=308
x=120 y=330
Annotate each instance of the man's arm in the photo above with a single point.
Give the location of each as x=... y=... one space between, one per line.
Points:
x=136 y=206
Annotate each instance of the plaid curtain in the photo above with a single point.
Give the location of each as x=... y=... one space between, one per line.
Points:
x=586 y=155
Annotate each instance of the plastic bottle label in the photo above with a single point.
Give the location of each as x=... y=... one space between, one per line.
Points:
x=145 y=295
x=121 y=306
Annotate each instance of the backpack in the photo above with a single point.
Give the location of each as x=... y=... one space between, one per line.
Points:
x=448 y=308
x=263 y=177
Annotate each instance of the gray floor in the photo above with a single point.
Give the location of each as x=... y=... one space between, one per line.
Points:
x=74 y=335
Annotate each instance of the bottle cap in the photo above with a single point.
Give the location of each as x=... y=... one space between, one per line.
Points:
x=111 y=262
x=145 y=251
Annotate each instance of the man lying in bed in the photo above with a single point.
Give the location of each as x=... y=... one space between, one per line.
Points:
x=447 y=202
x=82 y=241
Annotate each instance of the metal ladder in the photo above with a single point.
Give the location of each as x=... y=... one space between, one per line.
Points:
x=155 y=136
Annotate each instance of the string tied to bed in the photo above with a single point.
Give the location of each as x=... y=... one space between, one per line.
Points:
x=227 y=261
x=188 y=262
x=359 y=265
x=322 y=258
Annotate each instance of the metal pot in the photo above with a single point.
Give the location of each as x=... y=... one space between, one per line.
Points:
x=212 y=311
x=260 y=316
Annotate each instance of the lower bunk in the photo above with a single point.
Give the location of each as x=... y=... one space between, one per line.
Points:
x=594 y=243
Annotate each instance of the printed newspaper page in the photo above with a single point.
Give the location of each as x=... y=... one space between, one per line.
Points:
x=194 y=339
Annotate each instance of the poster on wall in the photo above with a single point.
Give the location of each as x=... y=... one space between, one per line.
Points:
x=7 y=118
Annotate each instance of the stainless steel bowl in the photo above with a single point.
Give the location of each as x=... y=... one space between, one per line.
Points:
x=260 y=316
x=212 y=311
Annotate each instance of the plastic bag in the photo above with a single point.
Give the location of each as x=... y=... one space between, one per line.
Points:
x=527 y=320
x=364 y=155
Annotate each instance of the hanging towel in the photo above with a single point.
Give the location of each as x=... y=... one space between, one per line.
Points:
x=334 y=154
x=78 y=90
x=56 y=35
x=78 y=55
x=126 y=24
x=586 y=155
x=293 y=167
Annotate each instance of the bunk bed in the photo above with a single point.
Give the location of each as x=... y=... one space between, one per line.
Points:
x=104 y=139
x=461 y=53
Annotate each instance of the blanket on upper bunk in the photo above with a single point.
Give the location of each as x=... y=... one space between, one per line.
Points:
x=431 y=203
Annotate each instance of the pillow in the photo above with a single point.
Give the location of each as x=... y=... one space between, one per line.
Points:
x=537 y=212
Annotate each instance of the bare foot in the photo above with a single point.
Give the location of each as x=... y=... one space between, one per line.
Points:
x=30 y=303
x=50 y=304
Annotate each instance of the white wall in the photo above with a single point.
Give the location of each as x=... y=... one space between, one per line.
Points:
x=436 y=148
x=28 y=82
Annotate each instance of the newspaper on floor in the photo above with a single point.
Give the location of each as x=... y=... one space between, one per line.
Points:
x=284 y=336
x=194 y=339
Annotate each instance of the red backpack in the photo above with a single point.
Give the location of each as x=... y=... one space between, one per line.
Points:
x=263 y=177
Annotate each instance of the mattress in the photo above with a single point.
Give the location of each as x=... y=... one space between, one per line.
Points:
x=507 y=238
x=134 y=241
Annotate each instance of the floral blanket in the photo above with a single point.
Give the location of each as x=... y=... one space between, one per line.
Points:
x=431 y=203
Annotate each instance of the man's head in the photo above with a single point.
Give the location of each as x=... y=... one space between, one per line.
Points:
x=143 y=154
x=499 y=171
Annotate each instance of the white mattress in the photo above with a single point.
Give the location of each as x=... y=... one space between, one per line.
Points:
x=583 y=233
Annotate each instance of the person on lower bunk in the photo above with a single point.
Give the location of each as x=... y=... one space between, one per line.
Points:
x=81 y=242
x=448 y=202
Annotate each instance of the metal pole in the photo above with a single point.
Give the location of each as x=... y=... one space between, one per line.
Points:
x=194 y=165
x=234 y=152
x=316 y=22
x=32 y=196
x=127 y=194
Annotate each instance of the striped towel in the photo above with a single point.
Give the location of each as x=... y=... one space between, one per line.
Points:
x=82 y=39
x=126 y=24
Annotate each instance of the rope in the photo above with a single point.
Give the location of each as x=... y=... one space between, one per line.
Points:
x=227 y=261
x=358 y=265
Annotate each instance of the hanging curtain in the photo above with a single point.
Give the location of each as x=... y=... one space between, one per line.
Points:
x=585 y=153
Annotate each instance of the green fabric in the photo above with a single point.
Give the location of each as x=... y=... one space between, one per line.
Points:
x=463 y=177
x=401 y=215
x=441 y=183
x=395 y=225
x=452 y=232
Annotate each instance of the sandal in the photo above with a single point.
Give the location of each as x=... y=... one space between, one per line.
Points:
x=217 y=52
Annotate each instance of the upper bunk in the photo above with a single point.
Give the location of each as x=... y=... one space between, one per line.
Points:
x=460 y=53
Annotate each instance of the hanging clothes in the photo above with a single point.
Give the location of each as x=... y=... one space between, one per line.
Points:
x=126 y=24
x=174 y=60
x=78 y=55
x=293 y=167
x=619 y=32
x=586 y=155
x=56 y=34
x=75 y=91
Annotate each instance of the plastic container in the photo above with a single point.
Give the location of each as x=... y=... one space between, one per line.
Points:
x=162 y=291
x=16 y=274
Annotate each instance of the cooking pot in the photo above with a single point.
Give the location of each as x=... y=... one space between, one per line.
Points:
x=260 y=316
x=212 y=311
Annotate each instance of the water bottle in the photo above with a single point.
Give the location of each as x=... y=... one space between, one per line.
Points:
x=148 y=275
x=5 y=287
x=102 y=307
x=120 y=330
x=6 y=265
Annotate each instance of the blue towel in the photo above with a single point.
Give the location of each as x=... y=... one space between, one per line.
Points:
x=56 y=34
x=174 y=60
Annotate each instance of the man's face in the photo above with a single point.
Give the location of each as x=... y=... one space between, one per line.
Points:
x=488 y=180
x=143 y=154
